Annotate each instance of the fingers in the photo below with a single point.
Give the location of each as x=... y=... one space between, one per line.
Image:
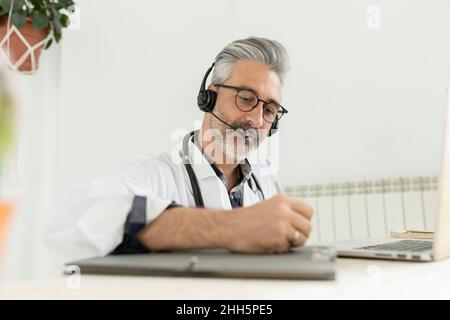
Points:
x=296 y=238
x=301 y=207
x=299 y=217
x=300 y=223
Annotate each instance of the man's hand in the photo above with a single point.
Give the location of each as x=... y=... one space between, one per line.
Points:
x=273 y=225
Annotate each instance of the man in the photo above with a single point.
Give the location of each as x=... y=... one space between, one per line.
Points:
x=207 y=197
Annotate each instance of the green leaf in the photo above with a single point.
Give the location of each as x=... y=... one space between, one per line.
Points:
x=64 y=4
x=18 y=18
x=48 y=44
x=65 y=21
x=57 y=23
x=17 y=5
x=57 y=36
x=40 y=20
x=6 y=4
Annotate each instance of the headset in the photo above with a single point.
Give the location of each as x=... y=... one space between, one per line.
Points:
x=206 y=101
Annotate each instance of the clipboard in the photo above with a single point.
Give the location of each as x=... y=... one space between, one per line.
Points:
x=308 y=262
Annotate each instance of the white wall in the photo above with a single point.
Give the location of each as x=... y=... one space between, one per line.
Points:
x=362 y=103
x=130 y=77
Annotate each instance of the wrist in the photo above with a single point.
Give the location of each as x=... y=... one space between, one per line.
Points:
x=228 y=228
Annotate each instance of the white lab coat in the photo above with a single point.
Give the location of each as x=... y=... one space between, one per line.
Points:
x=90 y=220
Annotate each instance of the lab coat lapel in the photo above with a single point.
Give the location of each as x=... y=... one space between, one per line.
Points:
x=213 y=190
x=250 y=197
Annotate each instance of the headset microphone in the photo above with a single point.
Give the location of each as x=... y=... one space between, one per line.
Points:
x=226 y=123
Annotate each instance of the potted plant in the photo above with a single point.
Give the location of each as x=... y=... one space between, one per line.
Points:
x=27 y=26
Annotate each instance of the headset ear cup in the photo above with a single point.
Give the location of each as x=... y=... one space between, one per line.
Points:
x=202 y=100
x=206 y=100
x=212 y=100
x=273 y=128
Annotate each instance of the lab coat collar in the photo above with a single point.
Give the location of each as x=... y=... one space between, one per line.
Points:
x=214 y=192
x=200 y=163
x=205 y=161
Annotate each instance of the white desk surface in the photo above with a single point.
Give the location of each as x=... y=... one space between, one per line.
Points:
x=355 y=279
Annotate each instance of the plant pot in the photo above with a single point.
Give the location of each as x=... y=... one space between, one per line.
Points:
x=17 y=47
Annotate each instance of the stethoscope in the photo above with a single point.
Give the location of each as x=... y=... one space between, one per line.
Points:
x=256 y=187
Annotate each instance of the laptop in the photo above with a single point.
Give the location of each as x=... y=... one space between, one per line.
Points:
x=413 y=249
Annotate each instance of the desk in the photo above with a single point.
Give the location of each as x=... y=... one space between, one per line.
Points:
x=355 y=279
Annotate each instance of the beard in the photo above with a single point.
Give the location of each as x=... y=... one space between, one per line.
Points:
x=235 y=144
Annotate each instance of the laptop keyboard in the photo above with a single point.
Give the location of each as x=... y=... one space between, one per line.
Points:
x=402 y=245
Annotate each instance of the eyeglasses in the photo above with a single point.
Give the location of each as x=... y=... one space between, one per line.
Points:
x=247 y=100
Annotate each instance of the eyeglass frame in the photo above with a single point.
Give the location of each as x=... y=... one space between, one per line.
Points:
x=239 y=89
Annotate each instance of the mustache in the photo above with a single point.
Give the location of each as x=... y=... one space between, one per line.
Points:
x=248 y=131
x=245 y=127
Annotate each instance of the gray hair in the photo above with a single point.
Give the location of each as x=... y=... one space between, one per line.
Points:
x=268 y=52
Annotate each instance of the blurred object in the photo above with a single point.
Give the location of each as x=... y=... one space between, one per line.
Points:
x=6 y=137
x=413 y=234
x=28 y=26
x=5 y=213
x=6 y=119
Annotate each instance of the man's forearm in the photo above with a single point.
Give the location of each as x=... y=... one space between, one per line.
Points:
x=187 y=228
